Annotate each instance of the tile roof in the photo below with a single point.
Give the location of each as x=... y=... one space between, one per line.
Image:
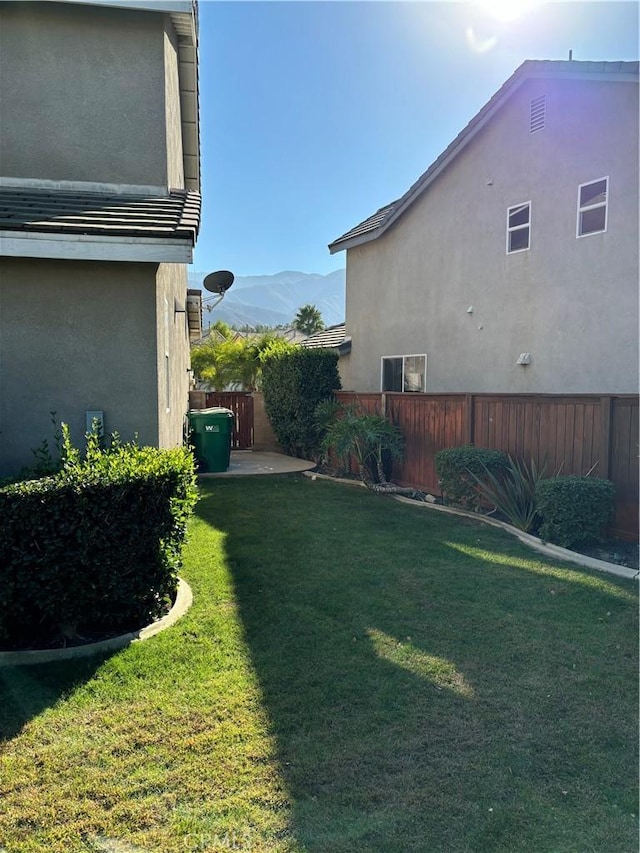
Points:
x=369 y=224
x=174 y=216
x=334 y=337
x=375 y=225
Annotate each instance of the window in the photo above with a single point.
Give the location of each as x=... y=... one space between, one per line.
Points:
x=518 y=227
x=404 y=373
x=592 y=207
x=537 y=114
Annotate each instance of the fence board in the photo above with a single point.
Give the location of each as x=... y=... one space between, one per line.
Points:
x=241 y=404
x=428 y=424
x=624 y=464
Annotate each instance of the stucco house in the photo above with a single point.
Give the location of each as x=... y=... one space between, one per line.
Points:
x=99 y=213
x=511 y=265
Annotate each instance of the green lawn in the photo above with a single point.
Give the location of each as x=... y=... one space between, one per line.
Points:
x=356 y=674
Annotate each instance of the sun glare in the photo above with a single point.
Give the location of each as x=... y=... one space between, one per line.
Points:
x=507 y=10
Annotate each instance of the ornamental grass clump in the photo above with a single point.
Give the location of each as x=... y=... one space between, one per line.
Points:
x=95 y=547
x=512 y=491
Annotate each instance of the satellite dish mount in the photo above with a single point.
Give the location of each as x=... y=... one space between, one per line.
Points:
x=217 y=283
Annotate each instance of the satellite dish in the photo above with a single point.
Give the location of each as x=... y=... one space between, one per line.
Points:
x=218 y=282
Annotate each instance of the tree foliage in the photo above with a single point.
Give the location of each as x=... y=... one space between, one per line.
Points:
x=308 y=320
x=294 y=381
x=220 y=362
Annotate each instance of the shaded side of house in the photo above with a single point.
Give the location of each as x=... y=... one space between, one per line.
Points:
x=99 y=212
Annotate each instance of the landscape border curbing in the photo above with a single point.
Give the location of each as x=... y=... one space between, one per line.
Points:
x=184 y=600
x=533 y=541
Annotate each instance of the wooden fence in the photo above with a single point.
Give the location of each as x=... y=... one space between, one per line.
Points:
x=571 y=434
x=241 y=404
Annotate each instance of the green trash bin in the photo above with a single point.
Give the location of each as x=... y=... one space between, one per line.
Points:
x=211 y=431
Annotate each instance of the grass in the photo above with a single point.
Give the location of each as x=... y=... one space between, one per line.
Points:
x=355 y=674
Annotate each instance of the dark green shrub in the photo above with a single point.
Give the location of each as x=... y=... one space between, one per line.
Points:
x=574 y=510
x=458 y=468
x=293 y=384
x=96 y=546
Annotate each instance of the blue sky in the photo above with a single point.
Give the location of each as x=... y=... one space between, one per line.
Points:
x=315 y=114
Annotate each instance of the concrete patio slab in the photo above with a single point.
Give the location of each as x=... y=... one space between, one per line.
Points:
x=248 y=462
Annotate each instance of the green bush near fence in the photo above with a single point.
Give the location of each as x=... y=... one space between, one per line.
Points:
x=574 y=510
x=96 y=546
x=293 y=384
x=459 y=468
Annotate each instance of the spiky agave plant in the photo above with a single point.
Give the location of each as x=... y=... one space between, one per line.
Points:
x=512 y=492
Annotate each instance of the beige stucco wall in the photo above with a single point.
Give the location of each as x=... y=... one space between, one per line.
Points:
x=172 y=339
x=572 y=303
x=264 y=437
x=75 y=337
x=85 y=90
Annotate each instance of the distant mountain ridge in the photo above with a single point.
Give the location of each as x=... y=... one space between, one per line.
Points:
x=273 y=300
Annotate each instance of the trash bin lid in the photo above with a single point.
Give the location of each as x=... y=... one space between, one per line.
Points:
x=214 y=410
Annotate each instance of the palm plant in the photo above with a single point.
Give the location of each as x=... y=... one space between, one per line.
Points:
x=371 y=439
x=221 y=363
x=308 y=320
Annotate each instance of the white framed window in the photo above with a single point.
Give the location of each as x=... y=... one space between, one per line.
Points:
x=518 y=227
x=593 y=201
x=406 y=373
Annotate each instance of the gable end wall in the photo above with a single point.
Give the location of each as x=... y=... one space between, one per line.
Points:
x=572 y=303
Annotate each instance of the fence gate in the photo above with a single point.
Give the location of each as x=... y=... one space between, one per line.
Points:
x=241 y=404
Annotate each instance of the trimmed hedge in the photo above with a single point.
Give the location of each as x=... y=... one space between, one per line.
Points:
x=95 y=547
x=457 y=468
x=293 y=384
x=574 y=510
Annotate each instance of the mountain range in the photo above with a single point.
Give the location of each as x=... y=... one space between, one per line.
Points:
x=273 y=300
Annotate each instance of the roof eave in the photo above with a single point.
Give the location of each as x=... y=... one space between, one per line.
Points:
x=341 y=245
x=451 y=152
x=186 y=27
x=93 y=247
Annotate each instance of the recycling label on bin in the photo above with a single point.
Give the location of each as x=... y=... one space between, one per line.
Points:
x=211 y=428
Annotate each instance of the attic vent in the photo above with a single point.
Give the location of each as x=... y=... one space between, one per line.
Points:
x=538 y=109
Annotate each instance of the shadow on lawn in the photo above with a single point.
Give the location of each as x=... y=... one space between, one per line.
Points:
x=423 y=699
x=26 y=691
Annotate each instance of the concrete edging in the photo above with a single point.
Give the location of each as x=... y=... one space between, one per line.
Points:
x=526 y=538
x=184 y=600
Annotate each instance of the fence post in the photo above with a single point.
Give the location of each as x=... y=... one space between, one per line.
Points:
x=383 y=404
x=469 y=417
x=605 y=441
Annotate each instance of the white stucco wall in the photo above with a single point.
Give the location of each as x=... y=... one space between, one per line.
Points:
x=572 y=303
